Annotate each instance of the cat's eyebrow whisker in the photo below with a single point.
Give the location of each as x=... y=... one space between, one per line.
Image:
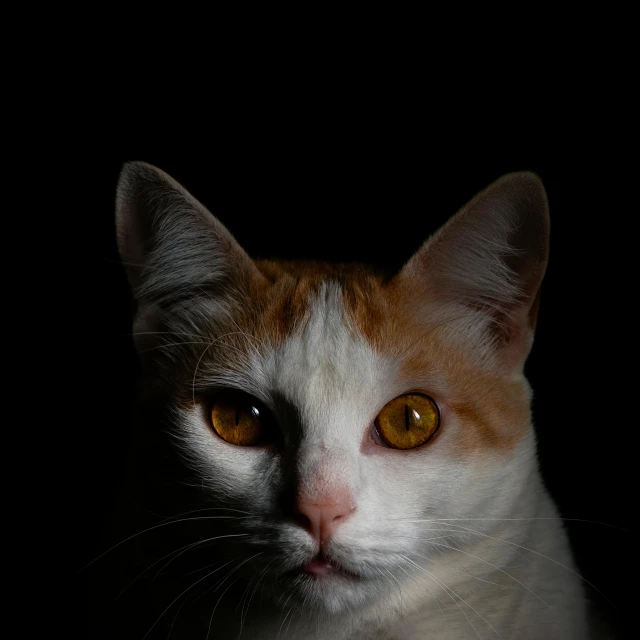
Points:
x=172 y=333
x=171 y=344
x=195 y=373
x=243 y=333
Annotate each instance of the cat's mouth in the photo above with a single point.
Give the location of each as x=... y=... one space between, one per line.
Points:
x=322 y=565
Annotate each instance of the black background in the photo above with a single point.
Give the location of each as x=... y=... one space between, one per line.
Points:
x=346 y=187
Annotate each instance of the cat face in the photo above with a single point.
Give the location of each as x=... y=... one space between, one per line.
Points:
x=330 y=509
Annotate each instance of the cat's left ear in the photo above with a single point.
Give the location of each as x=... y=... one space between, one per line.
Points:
x=490 y=258
x=171 y=245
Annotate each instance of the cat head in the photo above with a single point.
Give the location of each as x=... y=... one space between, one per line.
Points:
x=341 y=410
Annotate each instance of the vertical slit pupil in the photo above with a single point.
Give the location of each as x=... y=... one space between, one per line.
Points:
x=406 y=416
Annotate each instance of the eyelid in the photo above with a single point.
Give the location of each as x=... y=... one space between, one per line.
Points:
x=375 y=436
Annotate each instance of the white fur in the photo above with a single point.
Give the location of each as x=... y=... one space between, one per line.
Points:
x=423 y=576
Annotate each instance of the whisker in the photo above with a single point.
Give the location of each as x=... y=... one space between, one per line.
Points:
x=244 y=616
x=158 y=526
x=172 y=333
x=171 y=344
x=150 y=566
x=176 y=616
x=213 y=613
x=229 y=587
x=438 y=601
x=542 y=555
x=285 y=619
x=176 y=599
x=462 y=529
x=286 y=631
x=497 y=584
x=206 y=566
x=604 y=524
x=492 y=565
x=195 y=544
x=195 y=373
x=399 y=585
x=433 y=577
x=186 y=513
x=236 y=568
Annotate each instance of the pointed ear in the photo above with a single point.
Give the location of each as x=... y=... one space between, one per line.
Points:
x=172 y=247
x=491 y=257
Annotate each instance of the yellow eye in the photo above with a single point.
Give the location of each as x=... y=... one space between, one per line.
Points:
x=408 y=421
x=237 y=418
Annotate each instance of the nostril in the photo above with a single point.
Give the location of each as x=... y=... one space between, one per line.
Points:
x=342 y=512
x=303 y=521
x=319 y=519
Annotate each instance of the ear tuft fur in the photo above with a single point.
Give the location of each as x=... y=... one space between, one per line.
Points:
x=172 y=247
x=491 y=256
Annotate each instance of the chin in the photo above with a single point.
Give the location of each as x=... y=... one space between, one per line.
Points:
x=332 y=592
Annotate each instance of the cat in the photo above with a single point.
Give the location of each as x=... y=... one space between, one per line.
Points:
x=326 y=451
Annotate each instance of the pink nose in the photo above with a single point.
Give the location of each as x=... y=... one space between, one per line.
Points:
x=320 y=520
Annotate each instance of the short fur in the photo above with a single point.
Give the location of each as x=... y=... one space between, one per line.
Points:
x=455 y=539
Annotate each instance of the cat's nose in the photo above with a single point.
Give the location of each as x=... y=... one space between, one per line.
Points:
x=320 y=520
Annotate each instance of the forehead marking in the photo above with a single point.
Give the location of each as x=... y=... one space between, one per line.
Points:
x=327 y=369
x=342 y=341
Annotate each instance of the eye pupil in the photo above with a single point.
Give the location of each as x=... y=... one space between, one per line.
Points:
x=236 y=418
x=408 y=421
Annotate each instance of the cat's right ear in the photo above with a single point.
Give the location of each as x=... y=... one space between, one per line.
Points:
x=491 y=258
x=171 y=245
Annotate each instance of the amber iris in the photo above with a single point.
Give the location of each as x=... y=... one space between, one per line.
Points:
x=238 y=419
x=408 y=421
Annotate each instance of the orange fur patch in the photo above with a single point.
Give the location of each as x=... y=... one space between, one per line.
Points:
x=492 y=406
